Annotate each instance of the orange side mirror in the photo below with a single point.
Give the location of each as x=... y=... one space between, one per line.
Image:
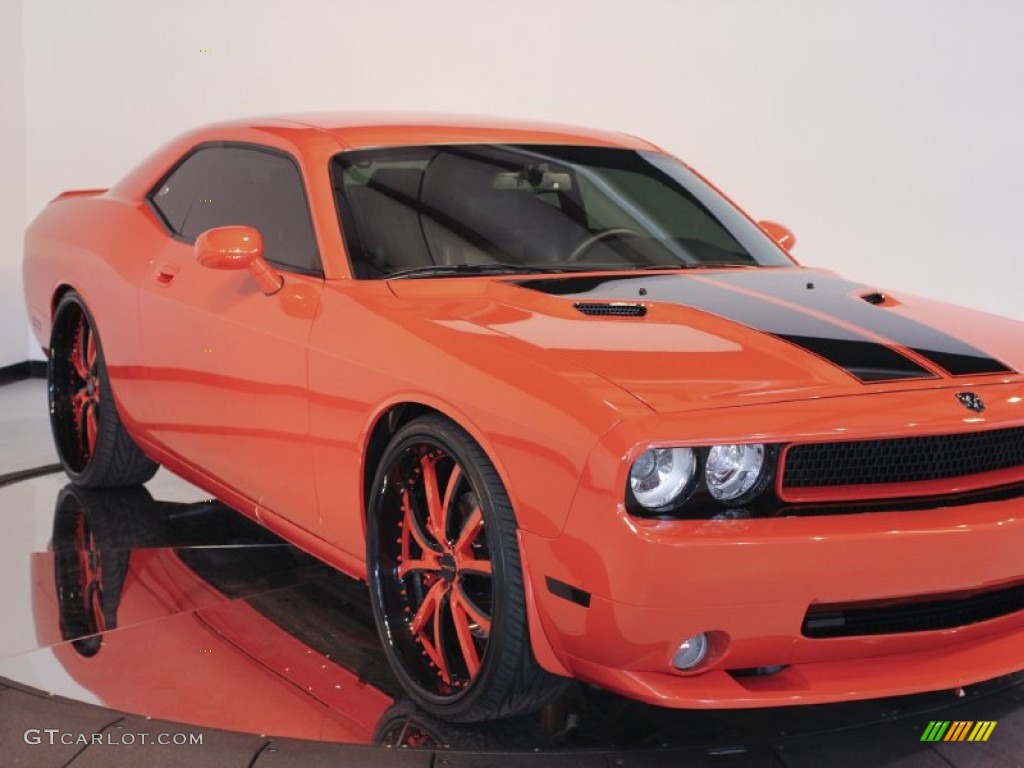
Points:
x=782 y=235
x=238 y=248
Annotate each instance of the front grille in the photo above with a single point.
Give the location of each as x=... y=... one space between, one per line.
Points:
x=902 y=460
x=610 y=309
x=920 y=616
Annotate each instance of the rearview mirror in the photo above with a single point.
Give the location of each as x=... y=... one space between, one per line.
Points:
x=782 y=235
x=238 y=248
x=536 y=178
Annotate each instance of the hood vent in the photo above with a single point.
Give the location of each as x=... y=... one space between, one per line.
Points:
x=611 y=308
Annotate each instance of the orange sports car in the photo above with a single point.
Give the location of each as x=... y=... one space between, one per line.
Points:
x=567 y=409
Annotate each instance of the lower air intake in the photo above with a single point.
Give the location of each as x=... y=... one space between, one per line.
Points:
x=946 y=612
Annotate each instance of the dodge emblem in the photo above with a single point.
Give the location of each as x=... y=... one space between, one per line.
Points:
x=971 y=401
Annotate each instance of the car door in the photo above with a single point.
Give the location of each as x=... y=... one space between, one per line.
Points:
x=225 y=364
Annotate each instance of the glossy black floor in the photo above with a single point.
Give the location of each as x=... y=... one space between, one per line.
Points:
x=151 y=604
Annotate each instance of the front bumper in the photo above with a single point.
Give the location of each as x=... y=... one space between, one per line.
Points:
x=653 y=584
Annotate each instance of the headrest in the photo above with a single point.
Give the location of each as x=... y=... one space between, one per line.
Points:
x=399 y=182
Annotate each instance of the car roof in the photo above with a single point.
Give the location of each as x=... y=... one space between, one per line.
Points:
x=359 y=130
x=327 y=132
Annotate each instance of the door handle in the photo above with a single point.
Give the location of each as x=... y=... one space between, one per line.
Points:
x=165 y=274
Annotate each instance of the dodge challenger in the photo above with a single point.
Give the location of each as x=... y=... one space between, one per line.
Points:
x=568 y=410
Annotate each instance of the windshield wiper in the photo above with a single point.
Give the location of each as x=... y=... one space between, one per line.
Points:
x=652 y=267
x=706 y=265
x=489 y=268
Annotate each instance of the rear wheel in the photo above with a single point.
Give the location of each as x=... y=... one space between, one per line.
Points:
x=94 y=448
x=446 y=580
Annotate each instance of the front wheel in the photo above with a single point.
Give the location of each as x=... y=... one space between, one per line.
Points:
x=446 y=580
x=94 y=448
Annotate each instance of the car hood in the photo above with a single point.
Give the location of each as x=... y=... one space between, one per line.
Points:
x=720 y=338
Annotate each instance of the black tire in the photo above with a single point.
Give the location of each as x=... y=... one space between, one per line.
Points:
x=93 y=446
x=92 y=539
x=456 y=637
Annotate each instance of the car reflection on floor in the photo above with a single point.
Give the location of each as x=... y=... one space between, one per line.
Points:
x=189 y=612
x=192 y=613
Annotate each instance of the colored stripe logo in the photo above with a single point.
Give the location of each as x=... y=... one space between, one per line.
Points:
x=837 y=298
x=822 y=314
x=861 y=356
x=958 y=730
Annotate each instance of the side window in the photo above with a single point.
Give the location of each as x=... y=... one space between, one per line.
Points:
x=175 y=197
x=223 y=186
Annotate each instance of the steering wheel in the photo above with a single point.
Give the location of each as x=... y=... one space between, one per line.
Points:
x=597 y=237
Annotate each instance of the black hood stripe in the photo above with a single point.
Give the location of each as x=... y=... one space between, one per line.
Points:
x=861 y=356
x=839 y=298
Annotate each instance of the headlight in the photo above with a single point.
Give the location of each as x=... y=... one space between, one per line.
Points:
x=660 y=475
x=732 y=470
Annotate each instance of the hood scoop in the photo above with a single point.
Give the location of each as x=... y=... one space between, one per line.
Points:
x=879 y=299
x=610 y=308
x=874 y=297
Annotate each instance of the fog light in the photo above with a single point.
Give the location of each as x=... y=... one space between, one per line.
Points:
x=691 y=652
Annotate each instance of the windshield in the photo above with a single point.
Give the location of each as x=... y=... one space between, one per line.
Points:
x=484 y=209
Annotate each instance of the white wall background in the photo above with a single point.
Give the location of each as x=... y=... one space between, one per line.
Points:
x=889 y=134
x=13 y=322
